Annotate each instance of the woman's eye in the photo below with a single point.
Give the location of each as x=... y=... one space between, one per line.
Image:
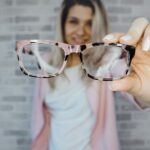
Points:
x=73 y=22
x=89 y=23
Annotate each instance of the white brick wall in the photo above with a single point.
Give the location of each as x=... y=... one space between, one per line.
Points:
x=22 y=19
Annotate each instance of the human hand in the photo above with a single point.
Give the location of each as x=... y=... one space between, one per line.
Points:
x=138 y=82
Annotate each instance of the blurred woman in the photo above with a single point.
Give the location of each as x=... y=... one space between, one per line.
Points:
x=71 y=111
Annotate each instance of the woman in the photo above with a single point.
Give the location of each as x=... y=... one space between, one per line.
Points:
x=84 y=119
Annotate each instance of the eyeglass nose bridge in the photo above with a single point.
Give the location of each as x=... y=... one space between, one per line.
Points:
x=74 y=49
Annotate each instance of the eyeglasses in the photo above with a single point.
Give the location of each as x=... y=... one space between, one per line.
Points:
x=101 y=61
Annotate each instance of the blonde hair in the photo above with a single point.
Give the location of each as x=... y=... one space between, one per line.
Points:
x=99 y=25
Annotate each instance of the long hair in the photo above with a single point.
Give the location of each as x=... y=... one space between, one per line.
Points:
x=99 y=24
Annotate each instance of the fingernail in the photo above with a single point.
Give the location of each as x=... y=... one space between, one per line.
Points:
x=126 y=38
x=146 y=44
x=108 y=37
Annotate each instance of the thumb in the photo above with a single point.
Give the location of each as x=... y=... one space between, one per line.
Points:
x=127 y=84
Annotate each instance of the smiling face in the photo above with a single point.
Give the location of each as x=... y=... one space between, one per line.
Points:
x=77 y=28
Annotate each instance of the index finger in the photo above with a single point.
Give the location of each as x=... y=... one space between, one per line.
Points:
x=135 y=32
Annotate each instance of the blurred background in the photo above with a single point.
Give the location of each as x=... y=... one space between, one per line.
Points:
x=36 y=19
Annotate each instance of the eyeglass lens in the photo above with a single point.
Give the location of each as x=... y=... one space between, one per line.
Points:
x=100 y=61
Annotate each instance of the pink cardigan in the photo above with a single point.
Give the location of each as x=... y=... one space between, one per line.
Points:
x=101 y=98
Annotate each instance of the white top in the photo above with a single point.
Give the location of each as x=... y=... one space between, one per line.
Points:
x=72 y=118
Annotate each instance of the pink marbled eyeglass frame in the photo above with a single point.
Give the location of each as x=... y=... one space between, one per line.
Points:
x=68 y=49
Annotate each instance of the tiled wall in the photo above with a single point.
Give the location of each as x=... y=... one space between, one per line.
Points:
x=28 y=19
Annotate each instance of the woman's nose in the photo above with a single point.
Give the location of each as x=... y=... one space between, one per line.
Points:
x=81 y=30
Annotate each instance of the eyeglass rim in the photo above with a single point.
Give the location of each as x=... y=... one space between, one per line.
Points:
x=130 y=49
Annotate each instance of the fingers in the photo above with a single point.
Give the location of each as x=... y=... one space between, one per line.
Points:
x=121 y=85
x=135 y=32
x=133 y=35
x=112 y=37
x=146 y=39
x=128 y=84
